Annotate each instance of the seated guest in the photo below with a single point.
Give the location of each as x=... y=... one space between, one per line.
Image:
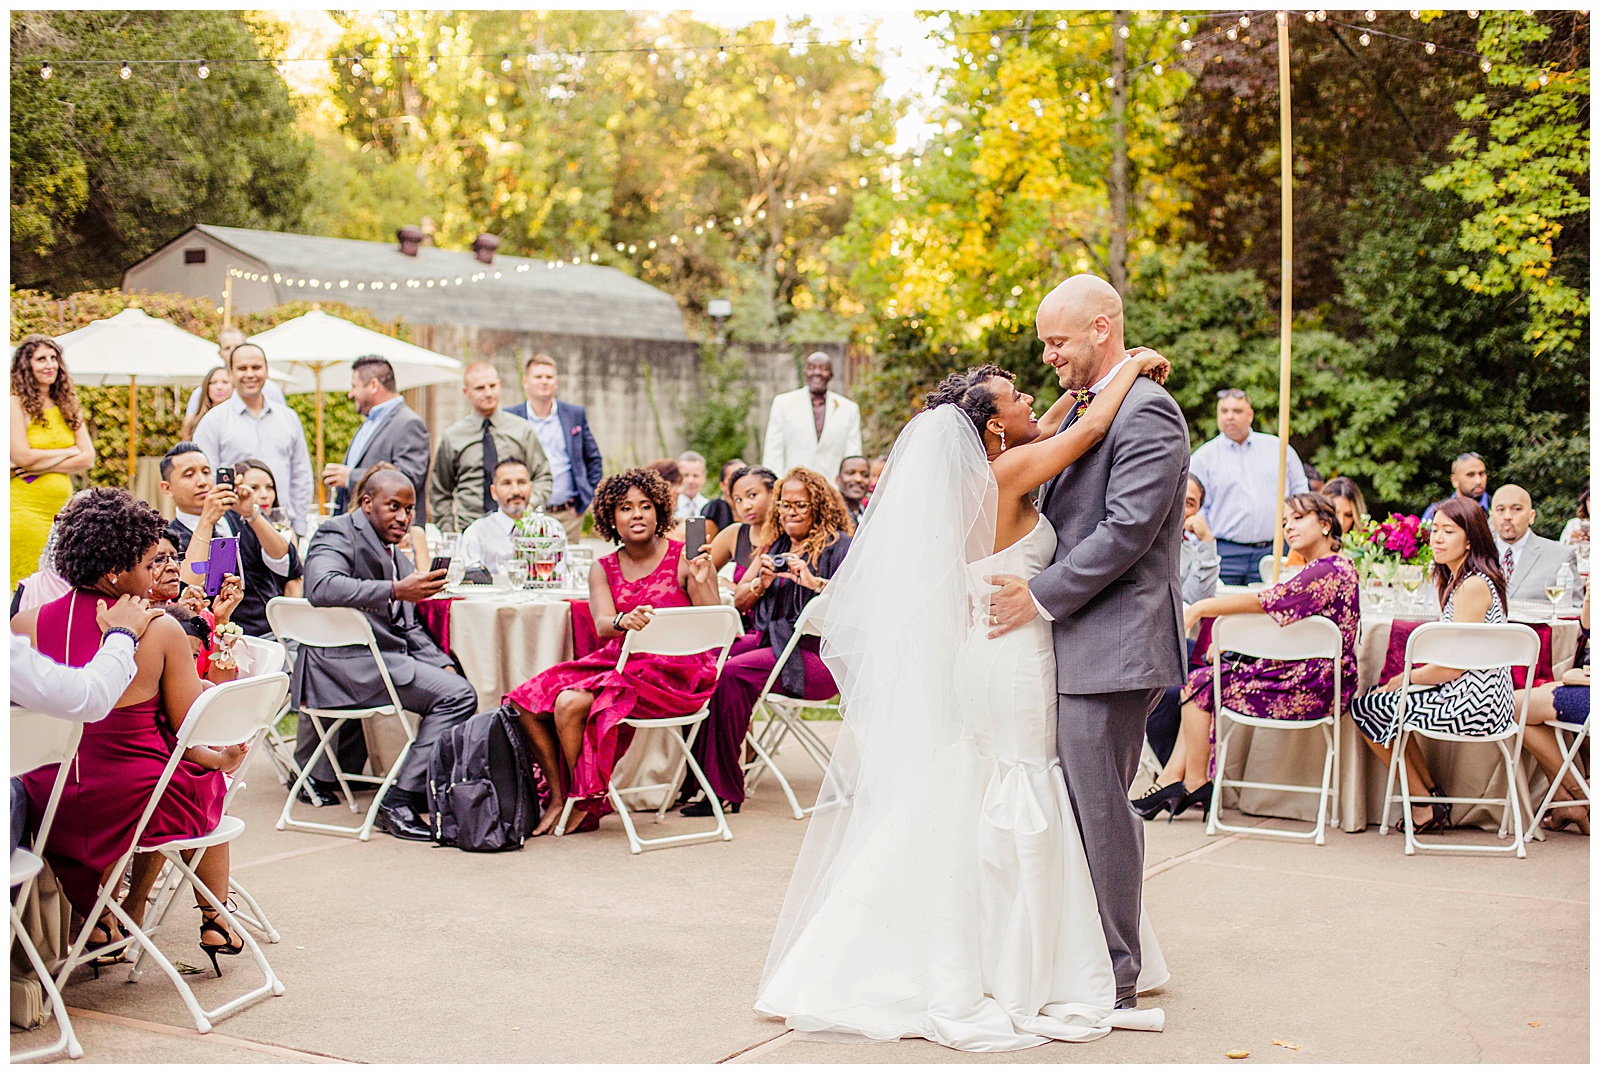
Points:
x=573 y=712
x=692 y=469
x=1567 y=701
x=206 y=510
x=1576 y=530
x=1529 y=562
x=1471 y=589
x=718 y=510
x=416 y=543
x=1198 y=563
x=106 y=551
x=198 y=615
x=855 y=482
x=752 y=503
x=354 y=562
x=487 y=542
x=1313 y=477
x=1348 y=502
x=1267 y=689
x=812 y=534
x=1470 y=478
x=257 y=492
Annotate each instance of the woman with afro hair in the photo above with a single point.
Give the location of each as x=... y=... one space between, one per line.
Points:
x=573 y=712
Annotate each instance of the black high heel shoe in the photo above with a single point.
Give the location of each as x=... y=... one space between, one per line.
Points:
x=211 y=921
x=1200 y=796
x=702 y=808
x=1441 y=815
x=1171 y=798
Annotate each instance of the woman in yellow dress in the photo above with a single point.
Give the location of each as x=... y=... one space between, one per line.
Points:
x=49 y=443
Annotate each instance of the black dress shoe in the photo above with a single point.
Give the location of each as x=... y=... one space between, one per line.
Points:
x=319 y=793
x=702 y=808
x=402 y=822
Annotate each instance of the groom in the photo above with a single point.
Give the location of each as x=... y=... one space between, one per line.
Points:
x=1113 y=595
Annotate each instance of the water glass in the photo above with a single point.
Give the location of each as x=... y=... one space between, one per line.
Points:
x=517 y=571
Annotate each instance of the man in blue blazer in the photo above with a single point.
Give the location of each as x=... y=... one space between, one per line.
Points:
x=563 y=430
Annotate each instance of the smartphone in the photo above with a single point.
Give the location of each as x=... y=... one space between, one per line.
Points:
x=224 y=560
x=440 y=563
x=225 y=475
x=694 y=535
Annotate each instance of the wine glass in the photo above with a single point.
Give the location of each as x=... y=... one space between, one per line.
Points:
x=1557 y=587
x=517 y=571
x=1410 y=578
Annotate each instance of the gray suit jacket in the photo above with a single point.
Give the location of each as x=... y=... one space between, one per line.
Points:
x=349 y=566
x=401 y=438
x=1537 y=566
x=1114 y=586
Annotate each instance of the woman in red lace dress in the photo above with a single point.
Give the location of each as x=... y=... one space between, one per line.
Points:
x=573 y=712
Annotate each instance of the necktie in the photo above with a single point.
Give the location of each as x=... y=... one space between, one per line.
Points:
x=1508 y=562
x=491 y=459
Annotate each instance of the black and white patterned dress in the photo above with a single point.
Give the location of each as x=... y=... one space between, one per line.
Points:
x=1475 y=703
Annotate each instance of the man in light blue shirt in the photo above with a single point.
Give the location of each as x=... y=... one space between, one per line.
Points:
x=1239 y=471
x=392 y=433
x=569 y=446
x=250 y=426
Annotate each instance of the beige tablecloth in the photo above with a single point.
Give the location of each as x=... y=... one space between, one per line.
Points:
x=1464 y=769
x=503 y=641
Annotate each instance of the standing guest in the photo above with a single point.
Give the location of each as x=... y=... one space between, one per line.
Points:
x=812 y=427
x=267 y=560
x=752 y=502
x=49 y=444
x=813 y=536
x=854 y=483
x=1313 y=477
x=1348 y=502
x=878 y=463
x=575 y=464
x=106 y=550
x=1529 y=562
x=390 y=432
x=1198 y=563
x=216 y=388
x=1472 y=589
x=487 y=542
x=719 y=510
x=1267 y=689
x=573 y=712
x=250 y=425
x=1238 y=468
x=1470 y=478
x=1576 y=531
x=692 y=467
x=471 y=449
x=354 y=562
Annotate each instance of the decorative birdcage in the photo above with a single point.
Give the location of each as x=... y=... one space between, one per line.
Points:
x=541 y=542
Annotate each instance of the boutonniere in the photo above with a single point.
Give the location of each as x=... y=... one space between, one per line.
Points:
x=1084 y=397
x=576 y=429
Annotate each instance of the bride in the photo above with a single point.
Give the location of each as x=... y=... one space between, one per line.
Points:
x=942 y=890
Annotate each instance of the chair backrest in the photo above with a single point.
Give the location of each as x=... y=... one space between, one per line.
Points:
x=296 y=619
x=271 y=656
x=1259 y=635
x=810 y=621
x=230 y=712
x=684 y=632
x=38 y=740
x=1264 y=568
x=1473 y=646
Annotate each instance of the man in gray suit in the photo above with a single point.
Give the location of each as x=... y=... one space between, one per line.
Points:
x=355 y=561
x=1530 y=561
x=391 y=433
x=1113 y=594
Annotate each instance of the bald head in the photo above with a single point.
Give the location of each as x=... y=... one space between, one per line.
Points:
x=390 y=503
x=1080 y=325
x=1511 y=512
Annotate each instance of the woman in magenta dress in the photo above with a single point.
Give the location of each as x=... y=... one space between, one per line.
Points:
x=106 y=549
x=573 y=712
x=1268 y=689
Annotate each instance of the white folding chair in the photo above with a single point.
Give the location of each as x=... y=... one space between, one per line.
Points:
x=36 y=741
x=674 y=632
x=781 y=716
x=295 y=619
x=1569 y=763
x=1264 y=568
x=224 y=715
x=273 y=656
x=1467 y=647
x=1315 y=638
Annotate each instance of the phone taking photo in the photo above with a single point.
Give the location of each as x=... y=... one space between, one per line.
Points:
x=694 y=535
x=225 y=476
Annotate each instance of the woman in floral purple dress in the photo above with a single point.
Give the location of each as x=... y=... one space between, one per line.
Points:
x=1268 y=689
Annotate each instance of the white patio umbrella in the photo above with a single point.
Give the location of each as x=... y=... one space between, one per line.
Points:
x=325 y=347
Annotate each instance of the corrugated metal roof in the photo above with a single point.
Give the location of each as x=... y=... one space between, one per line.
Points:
x=530 y=295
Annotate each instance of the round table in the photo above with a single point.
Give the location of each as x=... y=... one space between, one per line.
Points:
x=502 y=637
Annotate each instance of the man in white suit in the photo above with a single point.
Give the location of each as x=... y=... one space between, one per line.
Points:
x=1530 y=561
x=811 y=426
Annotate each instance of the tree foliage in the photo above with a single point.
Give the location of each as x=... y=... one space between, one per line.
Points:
x=104 y=170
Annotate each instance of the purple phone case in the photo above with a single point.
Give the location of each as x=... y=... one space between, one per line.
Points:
x=224 y=560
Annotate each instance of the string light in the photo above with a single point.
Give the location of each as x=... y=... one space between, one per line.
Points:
x=1486 y=66
x=45 y=71
x=1233 y=33
x=722 y=54
x=1472 y=12
x=433 y=65
x=1183 y=26
x=1372 y=16
x=1431 y=47
x=1244 y=22
x=1365 y=39
x=204 y=71
x=505 y=61
x=126 y=72
x=1415 y=14
x=356 y=68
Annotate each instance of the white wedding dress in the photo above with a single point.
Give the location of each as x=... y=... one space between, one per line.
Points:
x=942 y=891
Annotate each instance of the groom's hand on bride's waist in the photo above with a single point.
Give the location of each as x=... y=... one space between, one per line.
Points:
x=1011 y=606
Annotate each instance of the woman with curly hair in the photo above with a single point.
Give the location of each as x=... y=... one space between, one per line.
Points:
x=811 y=533
x=49 y=443
x=106 y=549
x=573 y=712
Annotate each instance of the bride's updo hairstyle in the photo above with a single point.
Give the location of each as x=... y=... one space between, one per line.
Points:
x=969 y=392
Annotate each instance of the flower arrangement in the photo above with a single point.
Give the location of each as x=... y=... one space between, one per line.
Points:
x=1383 y=547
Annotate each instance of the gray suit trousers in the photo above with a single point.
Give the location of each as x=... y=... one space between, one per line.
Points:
x=1099 y=738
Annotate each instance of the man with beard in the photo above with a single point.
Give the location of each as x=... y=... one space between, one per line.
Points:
x=487 y=542
x=854 y=483
x=1470 y=478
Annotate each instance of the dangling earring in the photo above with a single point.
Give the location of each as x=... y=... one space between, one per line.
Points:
x=1002 y=440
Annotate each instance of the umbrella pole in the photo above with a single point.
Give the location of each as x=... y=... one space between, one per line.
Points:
x=316 y=478
x=133 y=430
x=1285 y=153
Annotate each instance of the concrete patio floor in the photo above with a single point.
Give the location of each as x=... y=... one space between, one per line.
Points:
x=575 y=951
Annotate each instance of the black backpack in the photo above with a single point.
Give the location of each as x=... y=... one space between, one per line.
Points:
x=481 y=788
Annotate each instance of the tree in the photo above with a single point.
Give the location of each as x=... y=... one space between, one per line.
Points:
x=105 y=169
x=1522 y=167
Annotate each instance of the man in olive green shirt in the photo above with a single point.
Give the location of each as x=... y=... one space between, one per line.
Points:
x=463 y=464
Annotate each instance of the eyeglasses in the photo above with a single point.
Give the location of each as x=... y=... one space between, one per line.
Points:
x=164 y=559
x=788 y=507
x=1232 y=393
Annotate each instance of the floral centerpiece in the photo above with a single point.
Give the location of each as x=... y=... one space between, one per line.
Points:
x=540 y=541
x=1380 y=549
